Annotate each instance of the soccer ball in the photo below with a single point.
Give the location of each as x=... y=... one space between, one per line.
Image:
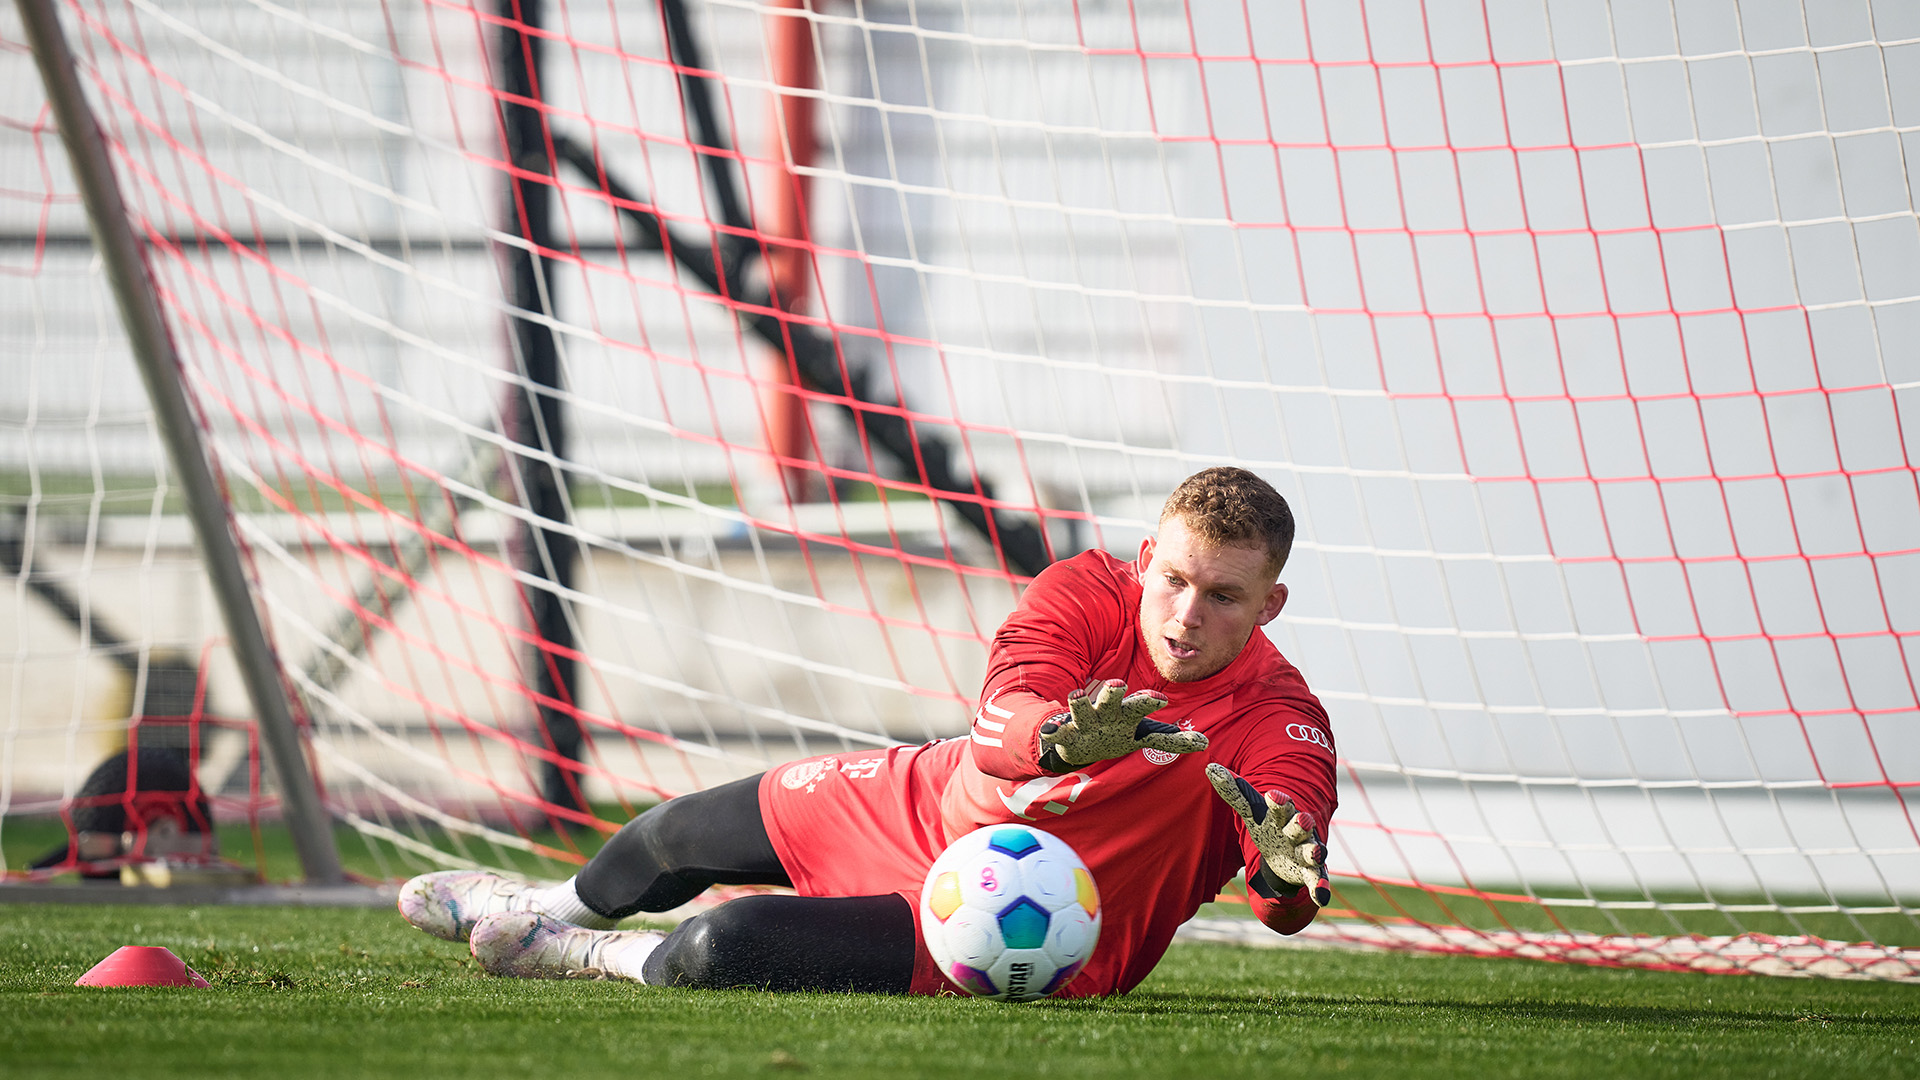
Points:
x=1010 y=913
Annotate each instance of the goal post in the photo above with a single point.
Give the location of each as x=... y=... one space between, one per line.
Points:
x=1576 y=334
x=159 y=368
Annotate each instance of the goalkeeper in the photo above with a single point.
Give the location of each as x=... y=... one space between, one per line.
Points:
x=1130 y=708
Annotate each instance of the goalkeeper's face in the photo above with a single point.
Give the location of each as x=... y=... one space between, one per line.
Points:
x=1201 y=602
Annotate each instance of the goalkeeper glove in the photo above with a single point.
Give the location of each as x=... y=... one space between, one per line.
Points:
x=1292 y=852
x=1103 y=721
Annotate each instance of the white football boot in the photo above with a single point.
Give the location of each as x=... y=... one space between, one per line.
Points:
x=447 y=903
x=528 y=945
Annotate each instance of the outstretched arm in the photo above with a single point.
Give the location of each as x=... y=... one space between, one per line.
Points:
x=1072 y=617
x=1281 y=790
x=1293 y=851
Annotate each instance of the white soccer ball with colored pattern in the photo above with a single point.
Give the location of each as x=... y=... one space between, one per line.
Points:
x=1010 y=913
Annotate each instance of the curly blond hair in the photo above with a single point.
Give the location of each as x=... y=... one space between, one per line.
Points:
x=1226 y=505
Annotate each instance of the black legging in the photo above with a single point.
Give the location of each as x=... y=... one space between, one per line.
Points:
x=673 y=852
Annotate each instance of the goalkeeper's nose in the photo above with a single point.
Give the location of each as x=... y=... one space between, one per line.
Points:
x=1188 y=609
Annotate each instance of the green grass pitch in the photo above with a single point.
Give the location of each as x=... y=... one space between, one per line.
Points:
x=322 y=993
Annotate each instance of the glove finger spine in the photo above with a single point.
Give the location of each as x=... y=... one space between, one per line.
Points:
x=1256 y=807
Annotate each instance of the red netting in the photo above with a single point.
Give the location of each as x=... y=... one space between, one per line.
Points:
x=611 y=408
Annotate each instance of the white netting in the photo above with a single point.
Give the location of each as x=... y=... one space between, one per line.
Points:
x=1575 y=332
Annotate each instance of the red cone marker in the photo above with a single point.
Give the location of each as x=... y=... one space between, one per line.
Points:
x=141 y=965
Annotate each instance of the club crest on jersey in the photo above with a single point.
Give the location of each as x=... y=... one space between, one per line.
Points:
x=1167 y=757
x=805 y=774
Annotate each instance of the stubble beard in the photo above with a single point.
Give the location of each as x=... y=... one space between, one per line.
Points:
x=1176 y=670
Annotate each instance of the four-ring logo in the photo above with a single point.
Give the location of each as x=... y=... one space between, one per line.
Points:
x=1308 y=734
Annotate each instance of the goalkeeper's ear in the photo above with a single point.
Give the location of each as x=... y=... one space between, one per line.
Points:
x=1276 y=599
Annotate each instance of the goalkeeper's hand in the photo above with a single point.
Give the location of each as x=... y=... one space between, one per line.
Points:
x=1103 y=721
x=1290 y=843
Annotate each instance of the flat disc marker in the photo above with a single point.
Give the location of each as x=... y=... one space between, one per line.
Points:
x=141 y=965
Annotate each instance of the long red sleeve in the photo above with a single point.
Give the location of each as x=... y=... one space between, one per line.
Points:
x=1066 y=627
x=1298 y=764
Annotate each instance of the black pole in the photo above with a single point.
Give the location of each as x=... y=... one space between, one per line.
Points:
x=920 y=454
x=536 y=416
x=684 y=50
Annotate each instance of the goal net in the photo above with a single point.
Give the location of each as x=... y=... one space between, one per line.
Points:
x=616 y=399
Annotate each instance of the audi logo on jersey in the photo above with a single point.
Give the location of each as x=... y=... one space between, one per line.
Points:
x=1308 y=734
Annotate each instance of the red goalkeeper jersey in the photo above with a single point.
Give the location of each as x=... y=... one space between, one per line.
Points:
x=1158 y=840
